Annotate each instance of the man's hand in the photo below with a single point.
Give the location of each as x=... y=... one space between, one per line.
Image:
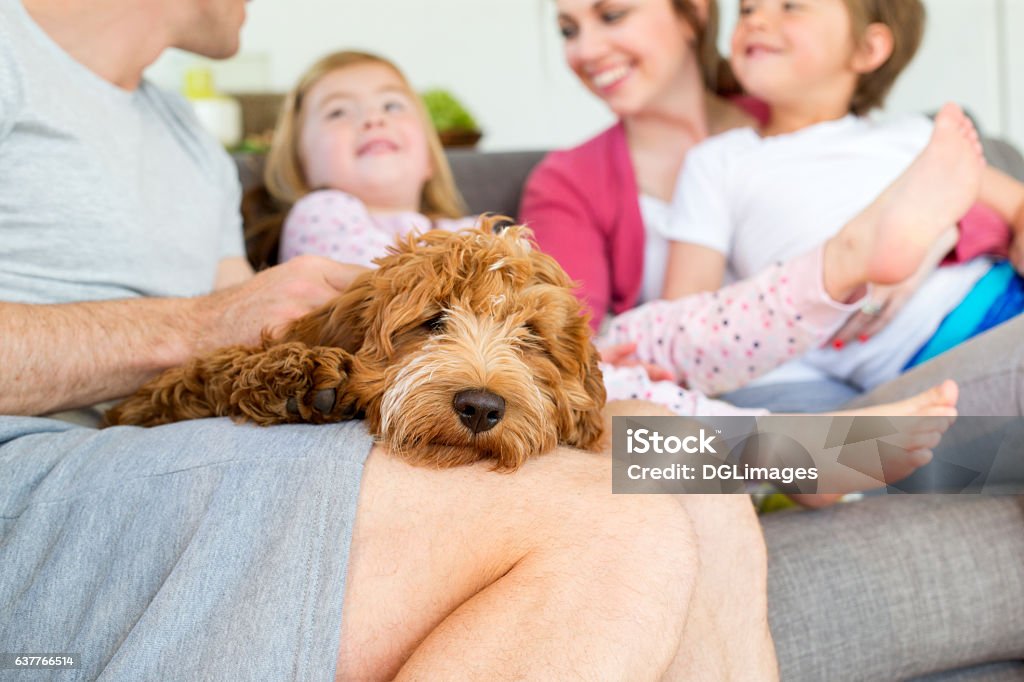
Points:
x=55 y=357
x=269 y=300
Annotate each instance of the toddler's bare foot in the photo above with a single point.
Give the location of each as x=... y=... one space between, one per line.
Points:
x=923 y=419
x=888 y=241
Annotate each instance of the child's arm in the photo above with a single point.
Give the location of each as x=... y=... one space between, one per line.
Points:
x=691 y=269
x=699 y=227
x=1005 y=195
x=633 y=383
x=716 y=342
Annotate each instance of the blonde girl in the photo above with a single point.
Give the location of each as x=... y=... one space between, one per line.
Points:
x=357 y=162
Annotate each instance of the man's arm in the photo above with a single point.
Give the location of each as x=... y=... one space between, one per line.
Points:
x=55 y=357
x=63 y=356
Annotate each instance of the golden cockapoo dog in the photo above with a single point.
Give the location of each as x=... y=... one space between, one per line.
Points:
x=458 y=347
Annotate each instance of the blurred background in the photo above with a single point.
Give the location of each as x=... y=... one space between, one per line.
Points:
x=502 y=60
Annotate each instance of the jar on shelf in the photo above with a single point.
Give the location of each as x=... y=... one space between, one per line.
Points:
x=219 y=114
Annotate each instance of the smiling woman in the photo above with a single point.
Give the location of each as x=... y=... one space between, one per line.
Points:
x=596 y=208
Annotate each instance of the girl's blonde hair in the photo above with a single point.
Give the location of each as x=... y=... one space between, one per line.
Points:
x=284 y=176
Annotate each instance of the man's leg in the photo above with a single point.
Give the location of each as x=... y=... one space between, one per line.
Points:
x=726 y=634
x=539 y=574
x=545 y=574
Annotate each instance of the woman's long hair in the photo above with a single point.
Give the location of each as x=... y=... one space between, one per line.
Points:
x=714 y=68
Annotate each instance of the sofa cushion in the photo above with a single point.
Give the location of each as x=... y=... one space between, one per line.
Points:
x=492 y=181
x=850 y=587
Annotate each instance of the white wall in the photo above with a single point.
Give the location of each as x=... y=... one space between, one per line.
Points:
x=966 y=56
x=503 y=59
x=1013 y=73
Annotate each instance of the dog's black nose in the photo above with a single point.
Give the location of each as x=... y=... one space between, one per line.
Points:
x=479 y=410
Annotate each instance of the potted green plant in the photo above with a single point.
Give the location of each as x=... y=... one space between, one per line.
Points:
x=454 y=124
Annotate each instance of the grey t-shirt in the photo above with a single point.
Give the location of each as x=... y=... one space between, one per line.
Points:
x=104 y=193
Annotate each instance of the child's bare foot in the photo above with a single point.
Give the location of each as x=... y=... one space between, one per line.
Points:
x=924 y=418
x=888 y=241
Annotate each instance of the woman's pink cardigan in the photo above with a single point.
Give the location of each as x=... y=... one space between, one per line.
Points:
x=583 y=207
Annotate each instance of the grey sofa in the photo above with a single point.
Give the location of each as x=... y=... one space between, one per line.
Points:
x=890 y=588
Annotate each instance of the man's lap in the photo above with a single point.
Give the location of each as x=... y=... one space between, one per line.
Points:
x=180 y=551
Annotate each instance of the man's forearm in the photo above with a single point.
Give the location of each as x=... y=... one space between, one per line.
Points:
x=55 y=357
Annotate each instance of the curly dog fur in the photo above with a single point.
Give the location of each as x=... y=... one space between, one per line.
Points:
x=458 y=347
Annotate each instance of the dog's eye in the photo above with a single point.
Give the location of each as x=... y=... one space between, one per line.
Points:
x=501 y=224
x=435 y=324
x=533 y=337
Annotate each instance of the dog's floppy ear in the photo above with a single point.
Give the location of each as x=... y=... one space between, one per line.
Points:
x=572 y=348
x=339 y=323
x=565 y=330
x=587 y=410
x=547 y=270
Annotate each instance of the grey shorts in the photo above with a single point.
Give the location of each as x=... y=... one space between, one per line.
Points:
x=202 y=550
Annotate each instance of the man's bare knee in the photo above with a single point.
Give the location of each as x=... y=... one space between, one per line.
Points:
x=729 y=532
x=654 y=529
x=444 y=536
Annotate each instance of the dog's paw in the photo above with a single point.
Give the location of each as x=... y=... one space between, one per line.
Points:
x=293 y=383
x=324 y=401
x=134 y=411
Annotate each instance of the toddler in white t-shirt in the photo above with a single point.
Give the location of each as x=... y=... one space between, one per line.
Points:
x=750 y=198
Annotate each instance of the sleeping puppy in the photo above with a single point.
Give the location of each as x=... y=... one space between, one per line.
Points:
x=460 y=346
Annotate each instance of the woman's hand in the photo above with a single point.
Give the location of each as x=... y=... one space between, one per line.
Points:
x=624 y=355
x=884 y=302
x=877 y=312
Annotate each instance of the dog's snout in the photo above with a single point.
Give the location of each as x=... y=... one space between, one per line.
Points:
x=479 y=410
